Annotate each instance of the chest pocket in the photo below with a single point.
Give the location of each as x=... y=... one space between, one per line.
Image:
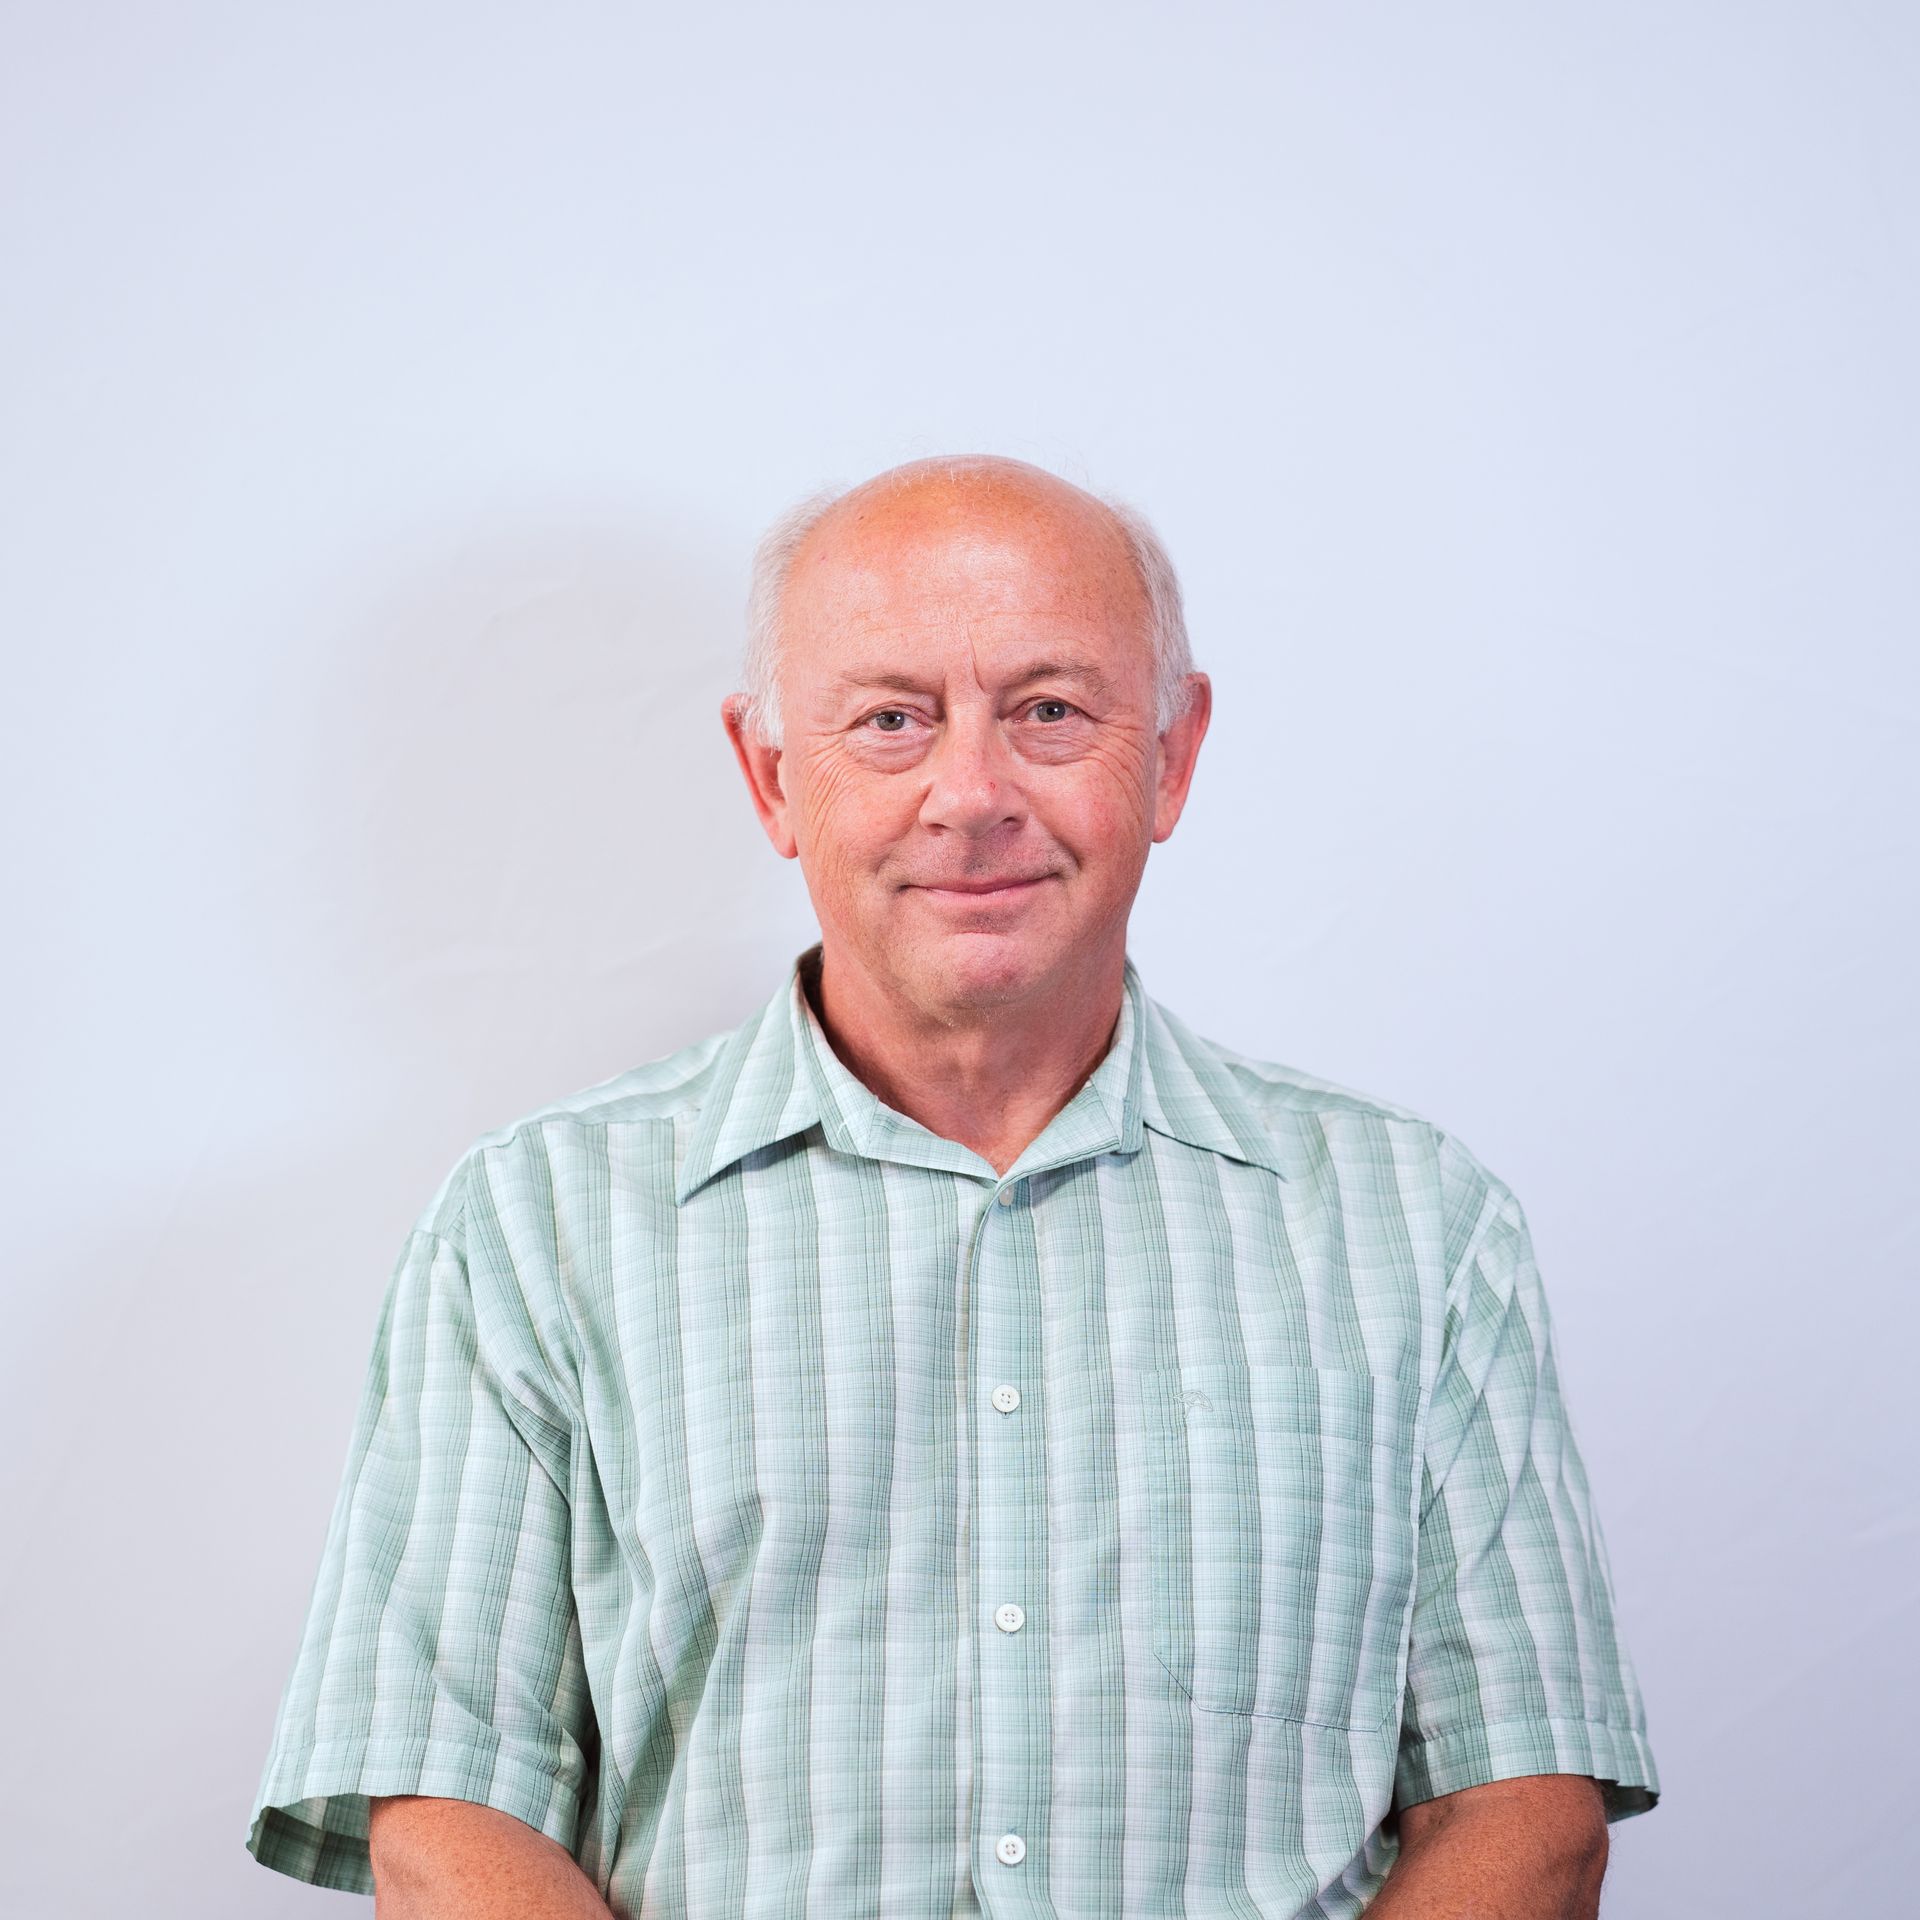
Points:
x=1284 y=1539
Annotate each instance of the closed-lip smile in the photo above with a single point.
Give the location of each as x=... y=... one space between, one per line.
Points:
x=981 y=886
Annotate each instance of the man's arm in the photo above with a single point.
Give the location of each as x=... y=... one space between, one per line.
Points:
x=437 y=1859
x=1532 y=1848
x=442 y=1653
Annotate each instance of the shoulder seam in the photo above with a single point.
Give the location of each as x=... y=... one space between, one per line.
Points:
x=526 y=1315
x=1269 y=1077
x=511 y=1131
x=1495 y=1202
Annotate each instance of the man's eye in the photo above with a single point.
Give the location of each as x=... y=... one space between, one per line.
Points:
x=883 y=714
x=1064 y=706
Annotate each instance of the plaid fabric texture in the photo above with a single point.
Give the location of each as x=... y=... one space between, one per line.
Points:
x=788 y=1515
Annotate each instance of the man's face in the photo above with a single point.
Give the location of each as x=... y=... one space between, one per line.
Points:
x=970 y=776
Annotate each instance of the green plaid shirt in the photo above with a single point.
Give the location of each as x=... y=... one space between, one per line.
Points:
x=788 y=1515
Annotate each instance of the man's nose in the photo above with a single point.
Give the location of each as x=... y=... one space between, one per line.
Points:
x=973 y=781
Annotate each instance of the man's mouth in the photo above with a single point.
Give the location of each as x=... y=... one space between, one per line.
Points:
x=1014 y=883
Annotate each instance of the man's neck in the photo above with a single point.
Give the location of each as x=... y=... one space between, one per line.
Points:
x=992 y=1083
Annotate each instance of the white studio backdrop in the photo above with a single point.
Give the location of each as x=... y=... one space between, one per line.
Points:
x=392 y=397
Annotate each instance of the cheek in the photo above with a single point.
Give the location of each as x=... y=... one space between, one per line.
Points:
x=843 y=814
x=1106 y=804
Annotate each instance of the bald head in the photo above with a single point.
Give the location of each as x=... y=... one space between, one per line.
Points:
x=958 y=496
x=955 y=508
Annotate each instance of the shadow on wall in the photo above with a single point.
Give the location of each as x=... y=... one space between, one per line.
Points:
x=534 y=858
x=482 y=842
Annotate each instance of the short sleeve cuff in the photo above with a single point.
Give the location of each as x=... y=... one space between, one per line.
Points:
x=1617 y=1757
x=310 y=1818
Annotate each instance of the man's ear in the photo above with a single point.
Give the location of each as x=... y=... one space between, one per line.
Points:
x=1179 y=748
x=761 y=765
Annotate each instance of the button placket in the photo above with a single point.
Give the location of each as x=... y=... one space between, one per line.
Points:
x=1000 y=1272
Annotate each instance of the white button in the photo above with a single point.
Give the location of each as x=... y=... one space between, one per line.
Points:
x=1006 y=1397
x=1006 y=1196
x=1011 y=1848
x=1009 y=1619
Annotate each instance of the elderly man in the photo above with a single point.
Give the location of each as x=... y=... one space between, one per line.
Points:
x=961 y=1442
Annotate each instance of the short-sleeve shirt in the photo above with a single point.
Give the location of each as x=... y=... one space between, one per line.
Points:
x=762 y=1497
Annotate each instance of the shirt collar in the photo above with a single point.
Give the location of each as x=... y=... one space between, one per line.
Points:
x=777 y=1074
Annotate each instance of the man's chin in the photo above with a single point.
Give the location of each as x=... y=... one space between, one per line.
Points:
x=979 y=967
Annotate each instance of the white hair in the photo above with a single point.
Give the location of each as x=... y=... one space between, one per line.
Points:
x=780 y=545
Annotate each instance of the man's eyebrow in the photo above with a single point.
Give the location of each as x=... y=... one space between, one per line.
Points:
x=892 y=679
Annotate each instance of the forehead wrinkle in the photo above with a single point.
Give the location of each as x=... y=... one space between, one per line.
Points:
x=906 y=567
x=878 y=673
x=851 y=598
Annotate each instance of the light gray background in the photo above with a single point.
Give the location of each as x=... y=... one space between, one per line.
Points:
x=392 y=397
